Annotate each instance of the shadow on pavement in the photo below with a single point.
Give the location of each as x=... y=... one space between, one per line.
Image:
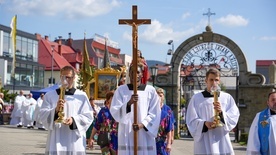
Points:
x=33 y=153
x=240 y=149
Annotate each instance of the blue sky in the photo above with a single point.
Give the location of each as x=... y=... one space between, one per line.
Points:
x=251 y=24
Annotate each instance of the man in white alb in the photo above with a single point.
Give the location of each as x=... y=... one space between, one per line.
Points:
x=16 y=115
x=148 y=111
x=69 y=136
x=209 y=139
x=28 y=109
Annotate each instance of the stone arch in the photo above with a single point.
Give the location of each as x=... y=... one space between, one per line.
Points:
x=245 y=77
x=171 y=81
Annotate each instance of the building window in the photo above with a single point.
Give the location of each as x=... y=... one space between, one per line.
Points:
x=6 y=45
x=26 y=75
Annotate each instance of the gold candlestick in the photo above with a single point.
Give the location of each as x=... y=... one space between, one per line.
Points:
x=62 y=88
x=215 y=91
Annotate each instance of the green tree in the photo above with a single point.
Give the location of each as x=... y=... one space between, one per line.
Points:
x=222 y=87
x=182 y=102
x=8 y=96
x=79 y=81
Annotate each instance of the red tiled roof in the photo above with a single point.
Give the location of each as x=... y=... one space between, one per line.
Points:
x=45 y=55
x=71 y=57
x=117 y=60
x=102 y=47
x=161 y=70
x=91 y=46
x=264 y=62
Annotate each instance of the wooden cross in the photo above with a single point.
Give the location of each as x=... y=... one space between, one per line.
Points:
x=209 y=14
x=134 y=22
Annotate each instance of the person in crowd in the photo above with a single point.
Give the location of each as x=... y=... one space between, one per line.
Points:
x=96 y=110
x=28 y=111
x=122 y=79
x=1 y=108
x=208 y=137
x=41 y=96
x=174 y=126
x=16 y=115
x=69 y=135
x=164 y=136
x=148 y=112
x=261 y=138
x=38 y=123
x=106 y=123
x=144 y=66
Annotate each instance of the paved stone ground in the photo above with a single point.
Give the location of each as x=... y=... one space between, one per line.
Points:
x=23 y=141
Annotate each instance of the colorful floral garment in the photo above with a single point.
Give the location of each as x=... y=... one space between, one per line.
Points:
x=167 y=108
x=105 y=122
x=166 y=125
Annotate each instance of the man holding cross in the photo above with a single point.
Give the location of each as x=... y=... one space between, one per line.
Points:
x=136 y=106
x=149 y=114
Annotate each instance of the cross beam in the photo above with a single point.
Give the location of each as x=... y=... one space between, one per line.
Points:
x=135 y=22
x=209 y=14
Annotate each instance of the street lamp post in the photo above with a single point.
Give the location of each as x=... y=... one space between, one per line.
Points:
x=171 y=52
x=52 y=63
x=153 y=71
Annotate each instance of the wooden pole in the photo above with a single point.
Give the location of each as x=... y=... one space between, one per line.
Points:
x=134 y=22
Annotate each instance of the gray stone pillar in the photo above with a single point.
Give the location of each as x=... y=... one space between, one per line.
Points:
x=272 y=73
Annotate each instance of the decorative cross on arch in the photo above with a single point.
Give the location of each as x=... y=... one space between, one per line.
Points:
x=209 y=14
x=134 y=22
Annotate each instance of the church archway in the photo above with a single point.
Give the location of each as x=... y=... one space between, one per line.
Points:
x=236 y=62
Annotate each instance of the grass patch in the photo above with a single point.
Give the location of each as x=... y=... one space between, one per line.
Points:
x=242 y=143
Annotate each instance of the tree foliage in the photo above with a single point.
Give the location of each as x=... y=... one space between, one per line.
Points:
x=8 y=97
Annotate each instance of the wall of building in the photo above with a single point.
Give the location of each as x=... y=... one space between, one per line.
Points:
x=28 y=72
x=254 y=98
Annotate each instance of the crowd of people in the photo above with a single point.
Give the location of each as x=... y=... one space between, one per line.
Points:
x=26 y=111
x=209 y=121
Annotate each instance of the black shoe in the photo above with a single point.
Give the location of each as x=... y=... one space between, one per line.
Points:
x=19 y=126
x=41 y=129
x=30 y=127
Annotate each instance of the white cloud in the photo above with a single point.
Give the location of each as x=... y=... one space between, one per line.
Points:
x=266 y=38
x=233 y=20
x=186 y=15
x=127 y=36
x=67 y=9
x=157 y=33
x=160 y=34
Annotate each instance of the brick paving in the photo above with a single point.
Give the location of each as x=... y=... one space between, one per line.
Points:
x=23 y=141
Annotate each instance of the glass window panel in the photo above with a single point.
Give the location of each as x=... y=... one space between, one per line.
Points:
x=30 y=46
x=24 y=47
x=6 y=45
x=35 y=50
x=18 y=45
